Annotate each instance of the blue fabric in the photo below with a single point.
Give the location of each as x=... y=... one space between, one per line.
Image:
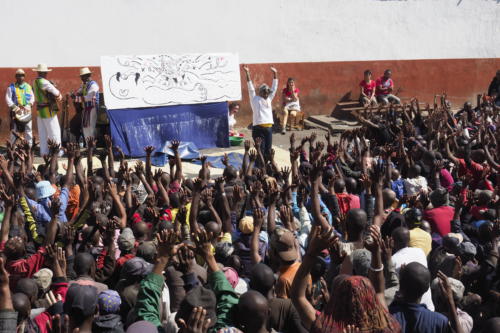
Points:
x=398 y=187
x=206 y=125
x=417 y=318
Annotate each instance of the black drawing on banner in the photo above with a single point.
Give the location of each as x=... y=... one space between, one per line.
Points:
x=165 y=79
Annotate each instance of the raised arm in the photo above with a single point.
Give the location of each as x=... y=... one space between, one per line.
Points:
x=258 y=220
x=117 y=203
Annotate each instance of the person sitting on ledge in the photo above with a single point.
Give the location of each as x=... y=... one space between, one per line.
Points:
x=291 y=105
x=385 y=86
x=367 y=94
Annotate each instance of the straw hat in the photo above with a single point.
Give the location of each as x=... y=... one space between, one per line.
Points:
x=42 y=68
x=85 y=71
x=20 y=71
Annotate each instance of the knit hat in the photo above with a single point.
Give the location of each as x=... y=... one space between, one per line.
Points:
x=80 y=300
x=126 y=240
x=231 y=275
x=109 y=301
x=43 y=278
x=198 y=296
x=135 y=267
x=246 y=225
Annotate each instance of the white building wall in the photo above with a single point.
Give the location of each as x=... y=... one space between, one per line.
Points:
x=75 y=32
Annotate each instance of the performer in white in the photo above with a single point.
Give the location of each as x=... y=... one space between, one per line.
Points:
x=20 y=99
x=89 y=91
x=46 y=95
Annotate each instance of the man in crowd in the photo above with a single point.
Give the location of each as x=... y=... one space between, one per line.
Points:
x=494 y=89
x=384 y=89
x=20 y=100
x=47 y=97
x=88 y=94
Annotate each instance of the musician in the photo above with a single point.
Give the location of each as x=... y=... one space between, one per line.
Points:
x=46 y=95
x=20 y=99
x=89 y=91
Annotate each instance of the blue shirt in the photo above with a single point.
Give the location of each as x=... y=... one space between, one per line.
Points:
x=41 y=208
x=417 y=318
x=398 y=187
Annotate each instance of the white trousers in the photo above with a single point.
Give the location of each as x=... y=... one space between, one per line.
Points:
x=90 y=131
x=48 y=128
x=28 y=132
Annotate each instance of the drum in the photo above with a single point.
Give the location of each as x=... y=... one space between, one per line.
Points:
x=23 y=115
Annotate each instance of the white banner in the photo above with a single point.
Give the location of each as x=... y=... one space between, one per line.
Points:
x=156 y=80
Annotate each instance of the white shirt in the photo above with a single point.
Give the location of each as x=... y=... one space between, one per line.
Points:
x=413 y=186
x=262 y=108
x=92 y=91
x=232 y=121
x=10 y=102
x=413 y=254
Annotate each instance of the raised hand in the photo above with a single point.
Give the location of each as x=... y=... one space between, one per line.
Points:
x=246 y=144
x=274 y=70
x=374 y=242
x=285 y=173
x=258 y=143
x=175 y=145
x=55 y=206
x=108 y=142
x=166 y=240
x=149 y=150
x=54 y=147
x=91 y=142
x=225 y=160
x=139 y=168
x=312 y=138
x=258 y=217
x=206 y=197
x=203 y=244
x=197 y=322
x=252 y=155
x=320 y=240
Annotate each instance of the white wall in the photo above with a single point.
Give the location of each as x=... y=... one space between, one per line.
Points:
x=75 y=32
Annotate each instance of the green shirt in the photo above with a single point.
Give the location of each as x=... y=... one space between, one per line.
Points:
x=226 y=299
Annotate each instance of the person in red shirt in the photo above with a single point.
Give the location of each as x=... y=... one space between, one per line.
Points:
x=367 y=93
x=384 y=89
x=291 y=104
x=441 y=215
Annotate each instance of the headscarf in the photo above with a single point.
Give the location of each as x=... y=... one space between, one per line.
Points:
x=354 y=302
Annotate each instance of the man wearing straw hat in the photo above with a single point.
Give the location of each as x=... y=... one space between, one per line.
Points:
x=48 y=124
x=20 y=99
x=89 y=92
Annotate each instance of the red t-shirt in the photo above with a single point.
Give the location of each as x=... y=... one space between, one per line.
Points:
x=354 y=202
x=475 y=170
x=368 y=87
x=385 y=84
x=440 y=219
x=288 y=93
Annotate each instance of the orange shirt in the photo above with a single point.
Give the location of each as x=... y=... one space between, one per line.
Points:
x=285 y=279
x=73 y=202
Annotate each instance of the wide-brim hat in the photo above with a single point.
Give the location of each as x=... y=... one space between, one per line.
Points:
x=42 y=68
x=20 y=71
x=44 y=189
x=85 y=71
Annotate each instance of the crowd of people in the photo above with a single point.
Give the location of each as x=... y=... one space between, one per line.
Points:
x=394 y=227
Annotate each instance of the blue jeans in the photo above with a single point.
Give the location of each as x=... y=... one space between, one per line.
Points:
x=266 y=133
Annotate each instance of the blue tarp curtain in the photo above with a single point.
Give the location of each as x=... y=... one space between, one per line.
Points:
x=205 y=125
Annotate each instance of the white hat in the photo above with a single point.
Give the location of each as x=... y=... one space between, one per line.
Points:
x=20 y=71
x=42 y=68
x=85 y=71
x=44 y=189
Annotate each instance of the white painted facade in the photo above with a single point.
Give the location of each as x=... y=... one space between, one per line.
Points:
x=76 y=33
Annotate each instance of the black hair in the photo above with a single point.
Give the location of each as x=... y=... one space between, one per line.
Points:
x=367 y=72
